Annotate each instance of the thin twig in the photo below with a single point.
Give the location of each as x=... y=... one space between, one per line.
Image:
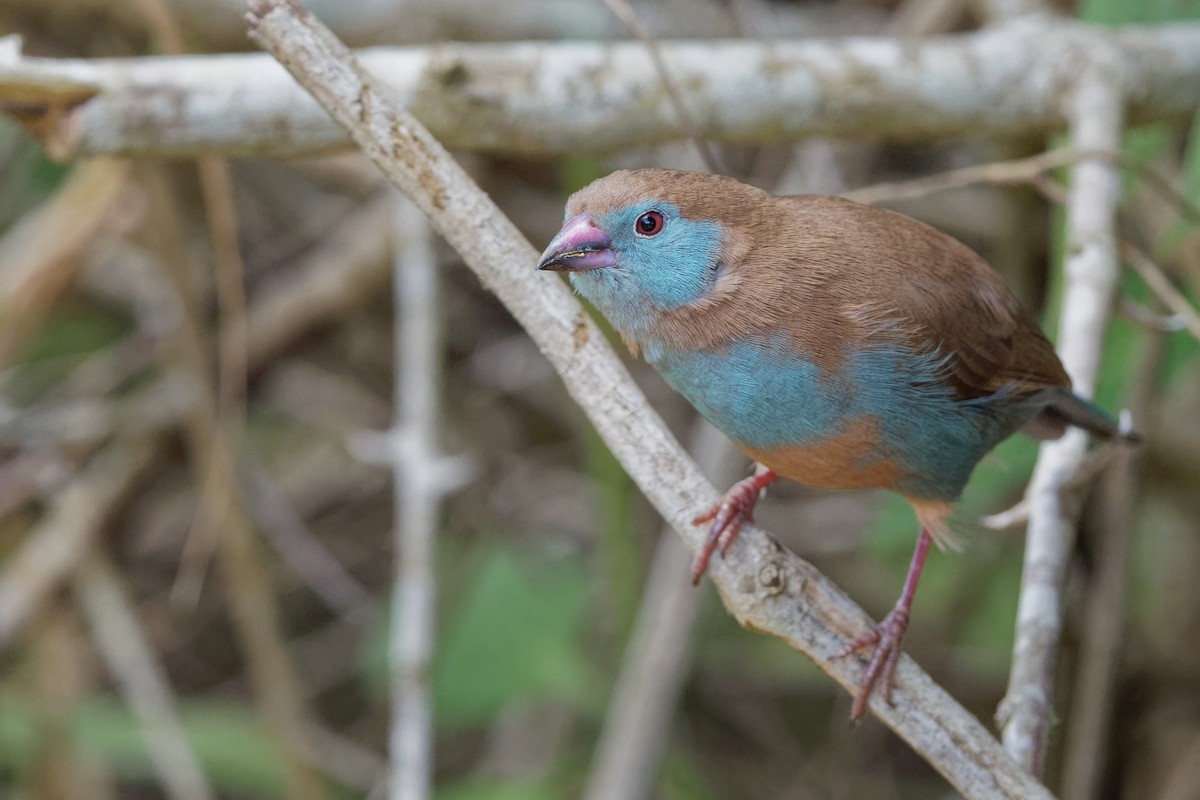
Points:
x=253 y=605
x=1096 y=113
x=1143 y=315
x=658 y=653
x=624 y=12
x=1031 y=170
x=1162 y=287
x=39 y=255
x=216 y=191
x=764 y=586
x=422 y=476
x=1099 y=661
x=1019 y=170
x=132 y=663
x=420 y=483
x=54 y=548
x=299 y=548
x=346 y=266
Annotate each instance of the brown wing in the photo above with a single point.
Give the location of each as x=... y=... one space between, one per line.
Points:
x=903 y=277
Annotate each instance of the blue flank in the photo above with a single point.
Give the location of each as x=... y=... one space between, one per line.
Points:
x=670 y=270
x=760 y=393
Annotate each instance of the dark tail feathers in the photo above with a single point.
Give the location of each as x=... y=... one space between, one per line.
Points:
x=1064 y=407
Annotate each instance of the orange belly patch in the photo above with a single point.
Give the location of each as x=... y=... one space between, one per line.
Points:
x=845 y=460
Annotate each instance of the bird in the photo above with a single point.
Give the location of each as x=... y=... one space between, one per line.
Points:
x=838 y=345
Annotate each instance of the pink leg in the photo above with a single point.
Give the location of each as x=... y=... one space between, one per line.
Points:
x=888 y=635
x=727 y=516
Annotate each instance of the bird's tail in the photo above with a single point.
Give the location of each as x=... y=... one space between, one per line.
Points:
x=1063 y=407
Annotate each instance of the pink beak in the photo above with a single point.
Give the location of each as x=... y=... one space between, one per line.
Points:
x=579 y=246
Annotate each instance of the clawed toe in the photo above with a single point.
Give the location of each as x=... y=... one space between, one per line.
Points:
x=886 y=639
x=735 y=509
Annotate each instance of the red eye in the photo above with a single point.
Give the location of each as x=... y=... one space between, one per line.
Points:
x=649 y=224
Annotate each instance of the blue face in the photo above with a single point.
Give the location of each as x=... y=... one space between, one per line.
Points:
x=657 y=268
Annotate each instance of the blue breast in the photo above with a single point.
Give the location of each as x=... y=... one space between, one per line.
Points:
x=763 y=395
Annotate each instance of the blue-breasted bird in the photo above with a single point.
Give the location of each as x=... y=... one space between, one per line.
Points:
x=838 y=345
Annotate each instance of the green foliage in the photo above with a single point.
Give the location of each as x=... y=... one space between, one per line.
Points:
x=236 y=751
x=495 y=790
x=75 y=329
x=516 y=636
x=619 y=535
x=29 y=176
x=575 y=172
x=1119 y=12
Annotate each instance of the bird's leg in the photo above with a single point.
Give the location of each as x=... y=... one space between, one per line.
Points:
x=736 y=507
x=887 y=635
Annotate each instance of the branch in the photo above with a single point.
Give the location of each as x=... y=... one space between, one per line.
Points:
x=132 y=663
x=563 y=97
x=764 y=586
x=1087 y=753
x=1091 y=273
x=423 y=476
x=54 y=548
x=39 y=255
x=658 y=654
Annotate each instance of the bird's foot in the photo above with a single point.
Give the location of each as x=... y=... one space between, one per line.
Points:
x=886 y=639
x=735 y=508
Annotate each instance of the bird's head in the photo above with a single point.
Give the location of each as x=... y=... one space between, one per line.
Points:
x=642 y=243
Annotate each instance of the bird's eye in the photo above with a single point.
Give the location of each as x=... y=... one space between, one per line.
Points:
x=649 y=224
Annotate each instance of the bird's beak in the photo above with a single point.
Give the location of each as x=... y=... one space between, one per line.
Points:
x=579 y=246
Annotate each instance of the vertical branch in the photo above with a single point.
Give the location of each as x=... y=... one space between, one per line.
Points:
x=1085 y=758
x=131 y=661
x=216 y=189
x=422 y=477
x=249 y=587
x=1096 y=116
x=658 y=653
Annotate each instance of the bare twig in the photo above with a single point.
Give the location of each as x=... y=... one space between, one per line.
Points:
x=1020 y=170
x=216 y=189
x=762 y=584
x=1092 y=701
x=566 y=97
x=422 y=477
x=288 y=533
x=1092 y=464
x=57 y=544
x=60 y=682
x=39 y=255
x=658 y=653
x=254 y=608
x=624 y=12
x=1148 y=318
x=1091 y=269
x=131 y=662
x=343 y=269
x=1031 y=170
x=1162 y=287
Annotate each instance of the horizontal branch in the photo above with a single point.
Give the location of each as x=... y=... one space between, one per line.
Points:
x=567 y=97
x=763 y=585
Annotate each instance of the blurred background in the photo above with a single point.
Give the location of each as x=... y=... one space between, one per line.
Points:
x=196 y=522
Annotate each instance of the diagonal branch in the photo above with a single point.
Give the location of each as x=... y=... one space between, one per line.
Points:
x=764 y=586
x=1096 y=111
